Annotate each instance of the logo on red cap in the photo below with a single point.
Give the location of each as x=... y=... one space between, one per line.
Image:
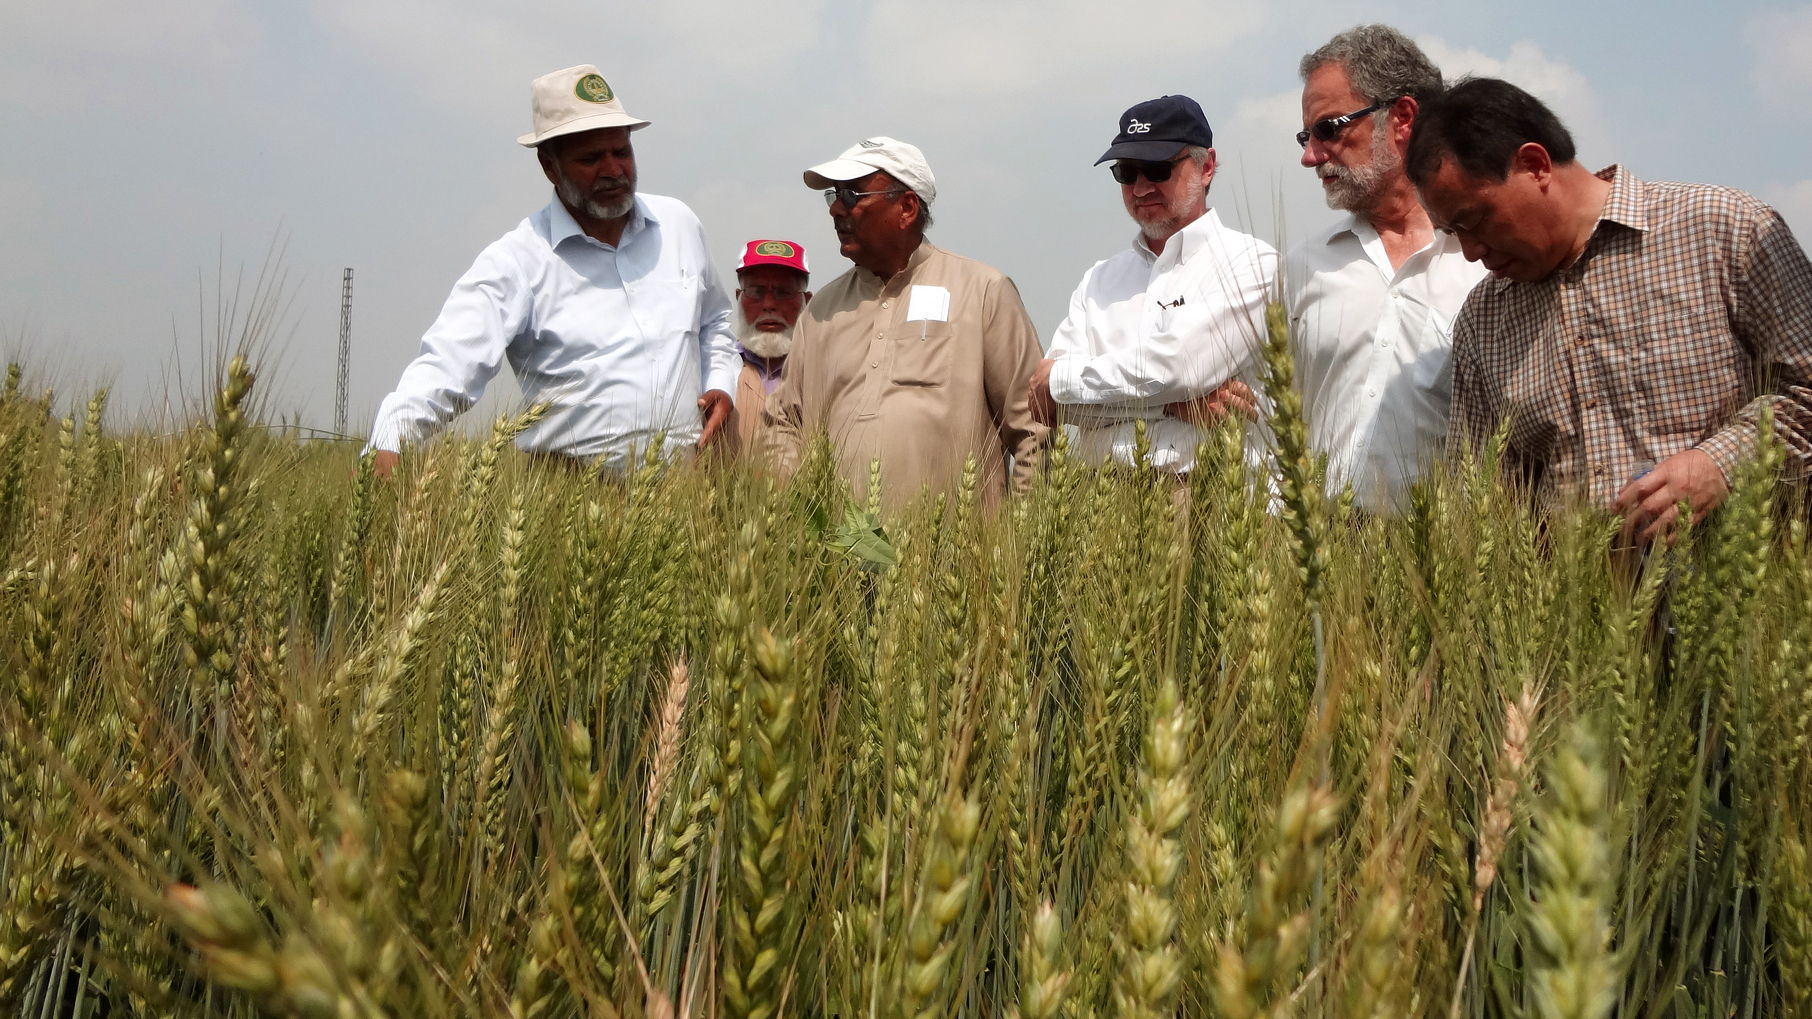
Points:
x=766 y=251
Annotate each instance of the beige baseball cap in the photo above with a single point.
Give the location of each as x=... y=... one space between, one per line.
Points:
x=905 y=163
x=572 y=100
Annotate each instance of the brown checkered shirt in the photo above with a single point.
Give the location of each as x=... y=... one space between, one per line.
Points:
x=1690 y=308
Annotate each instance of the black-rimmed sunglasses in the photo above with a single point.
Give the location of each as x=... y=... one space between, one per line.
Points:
x=1128 y=170
x=851 y=196
x=1328 y=129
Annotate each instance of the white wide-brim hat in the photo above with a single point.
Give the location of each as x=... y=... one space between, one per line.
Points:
x=572 y=100
x=899 y=160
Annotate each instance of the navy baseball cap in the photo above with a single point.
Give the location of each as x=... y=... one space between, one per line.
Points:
x=1158 y=129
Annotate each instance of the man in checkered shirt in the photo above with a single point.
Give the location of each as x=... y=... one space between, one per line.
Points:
x=1631 y=331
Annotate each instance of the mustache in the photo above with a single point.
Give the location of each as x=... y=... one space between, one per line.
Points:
x=609 y=184
x=765 y=319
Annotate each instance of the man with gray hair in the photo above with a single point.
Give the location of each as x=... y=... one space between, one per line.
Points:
x=1373 y=298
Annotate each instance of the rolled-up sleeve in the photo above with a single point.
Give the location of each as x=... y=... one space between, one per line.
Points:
x=1173 y=364
x=461 y=352
x=1772 y=317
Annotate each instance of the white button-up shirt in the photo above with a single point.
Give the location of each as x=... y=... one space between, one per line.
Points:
x=622 y=340
x=1149 y=329
x=1372 y=347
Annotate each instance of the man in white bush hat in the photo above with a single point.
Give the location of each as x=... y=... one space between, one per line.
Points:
x=915 y=357
x=605 y=303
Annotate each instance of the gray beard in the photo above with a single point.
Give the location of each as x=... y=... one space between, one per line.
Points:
x=765 y=345
x=1358 y=188
x=570 y=194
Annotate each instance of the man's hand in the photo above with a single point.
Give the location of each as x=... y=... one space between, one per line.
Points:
x=714 y=407
x=383 y=461
x=1038 y=394
x=1651 y=504
x=1231 y=395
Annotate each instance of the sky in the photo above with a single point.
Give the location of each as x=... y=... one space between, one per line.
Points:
x=158 y=161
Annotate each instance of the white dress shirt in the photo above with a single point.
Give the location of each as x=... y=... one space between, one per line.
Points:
x=622 y=339
x=1149 y=329
x=1371 y=354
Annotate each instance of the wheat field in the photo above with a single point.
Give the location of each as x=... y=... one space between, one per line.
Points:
x=500 y=738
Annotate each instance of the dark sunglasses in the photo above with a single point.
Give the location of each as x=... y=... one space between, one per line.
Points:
x=1128 y=170
x=1329 y=129
x=851 y=196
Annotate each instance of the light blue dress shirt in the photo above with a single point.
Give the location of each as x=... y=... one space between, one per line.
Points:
x=621 y=340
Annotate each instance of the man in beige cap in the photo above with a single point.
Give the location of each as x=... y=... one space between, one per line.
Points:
x=606 y=304
x=916 y=357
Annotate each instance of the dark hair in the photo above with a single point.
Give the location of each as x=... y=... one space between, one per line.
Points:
x=1382 y=63
x=1480 y=123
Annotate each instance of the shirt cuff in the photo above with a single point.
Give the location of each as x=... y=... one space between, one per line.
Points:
x=385 y=435
x=724 y=378
x=1729 y=447
x=1066 y=382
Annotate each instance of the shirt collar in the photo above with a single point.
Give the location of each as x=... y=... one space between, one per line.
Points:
x=768 y=367
x=1194 y=237
x=919 y=254
x=561 y=226
x=1624 y=206
x=1348 y=224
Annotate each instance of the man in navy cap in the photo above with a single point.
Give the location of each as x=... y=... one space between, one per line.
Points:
x=1166 y=330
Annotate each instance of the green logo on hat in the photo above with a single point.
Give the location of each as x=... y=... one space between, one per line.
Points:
x=779 y=249
x=594 y=89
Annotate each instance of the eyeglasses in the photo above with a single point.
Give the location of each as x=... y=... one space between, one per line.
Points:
x=1328 y=129
x=759 y=293
x=1128 y=170
x=851 y=196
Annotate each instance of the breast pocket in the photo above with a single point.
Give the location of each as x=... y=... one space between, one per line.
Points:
x=670 y=303
x=921 y=353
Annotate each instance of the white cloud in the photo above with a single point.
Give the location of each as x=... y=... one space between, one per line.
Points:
x=85 y=53
x=1782 y=41
x=468 y=52
x=1053 y=49
x=1563 y=87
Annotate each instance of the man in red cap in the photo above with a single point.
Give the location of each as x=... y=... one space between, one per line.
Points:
x=771 y=277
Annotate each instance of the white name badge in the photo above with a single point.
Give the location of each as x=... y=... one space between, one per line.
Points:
x=928 y=304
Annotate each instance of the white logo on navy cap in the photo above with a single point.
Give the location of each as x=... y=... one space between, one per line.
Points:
x=1137 y=126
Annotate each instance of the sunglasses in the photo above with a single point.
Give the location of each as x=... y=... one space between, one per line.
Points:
x=1329 y=129
x=851 y=196
x=1128 y=170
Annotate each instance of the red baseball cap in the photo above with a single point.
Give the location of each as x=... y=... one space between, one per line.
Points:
x=773 y=252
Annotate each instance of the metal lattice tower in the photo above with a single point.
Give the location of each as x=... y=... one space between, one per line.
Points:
x=339 y=403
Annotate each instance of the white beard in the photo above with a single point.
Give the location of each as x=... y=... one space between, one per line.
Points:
x=761 y=344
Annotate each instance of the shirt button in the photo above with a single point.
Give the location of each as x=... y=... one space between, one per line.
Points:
x=883 y=304
x=878 y=336
x=1580 y=343
x=874 y=364
x=1591 y=405
x=1371 y=392
x=1598 y=470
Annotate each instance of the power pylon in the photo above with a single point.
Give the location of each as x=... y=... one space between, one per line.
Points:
x=339 y=403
